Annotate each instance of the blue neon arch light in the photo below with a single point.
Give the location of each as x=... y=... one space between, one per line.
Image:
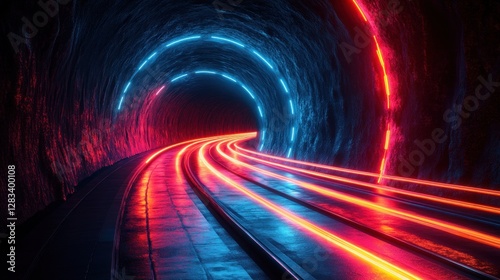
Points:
x=220 y=39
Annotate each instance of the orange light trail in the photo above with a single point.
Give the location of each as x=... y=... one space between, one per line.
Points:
x=383 y=164
x=429 y=222
x=194 y=140
x=433 y=198
x=386 y=79
x=387 y=139
x=371 y=174
x=360 y=11
x=368 y=257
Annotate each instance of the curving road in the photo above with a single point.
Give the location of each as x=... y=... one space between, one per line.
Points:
x=215 y=208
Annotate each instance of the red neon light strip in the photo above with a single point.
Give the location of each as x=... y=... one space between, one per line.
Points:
x=360 y=11
x=386 y=86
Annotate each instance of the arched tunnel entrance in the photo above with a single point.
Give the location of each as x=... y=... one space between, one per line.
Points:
x=201 y=107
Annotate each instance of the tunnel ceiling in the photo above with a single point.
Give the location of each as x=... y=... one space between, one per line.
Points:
x=98 y=81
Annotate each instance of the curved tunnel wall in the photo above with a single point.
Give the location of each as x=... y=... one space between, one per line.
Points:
x=66 y=83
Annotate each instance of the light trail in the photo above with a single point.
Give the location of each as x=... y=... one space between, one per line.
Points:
x=198 y=141
x=433 y=198
x=419 y=219
x=375 y=175
x=243 y=135
x=289 y=216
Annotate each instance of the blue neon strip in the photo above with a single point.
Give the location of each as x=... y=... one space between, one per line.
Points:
x=227 y=40
x=229 y=78
x=144 y=63
x=244 y=87
x=126 y=88
x=184 y=39
x=293 y=133
x=263 y=59
x=120 y=105
x=289 y=152
x=263 y=135
x=284 y=86
x=261 y=146
x=205 y=72
x=153 y=55
x=291 y=106
x=260 y=111
x=179 y=77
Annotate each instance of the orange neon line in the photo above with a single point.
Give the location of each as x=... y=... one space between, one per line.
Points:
x=387 y=139
x=190 y=141
x=371 y=174
x=310 y=227
x=386 y=82
x=382 y=167
x=381 y=60
x=384 y=158
x=359 y=9
x=433 y=198
x=198 y=141
x=386 y=79
x=429 y=222
x=388 y=94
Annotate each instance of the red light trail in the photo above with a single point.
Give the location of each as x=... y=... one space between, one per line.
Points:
x=224 y=165
x=419 y=219
x=364 y=255
x=371 y=174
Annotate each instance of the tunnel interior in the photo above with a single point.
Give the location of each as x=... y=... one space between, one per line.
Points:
x=101 y=81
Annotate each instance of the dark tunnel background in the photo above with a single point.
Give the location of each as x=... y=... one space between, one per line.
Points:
x=62 y=87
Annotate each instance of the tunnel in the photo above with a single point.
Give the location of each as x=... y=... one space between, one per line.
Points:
x=396 y=97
